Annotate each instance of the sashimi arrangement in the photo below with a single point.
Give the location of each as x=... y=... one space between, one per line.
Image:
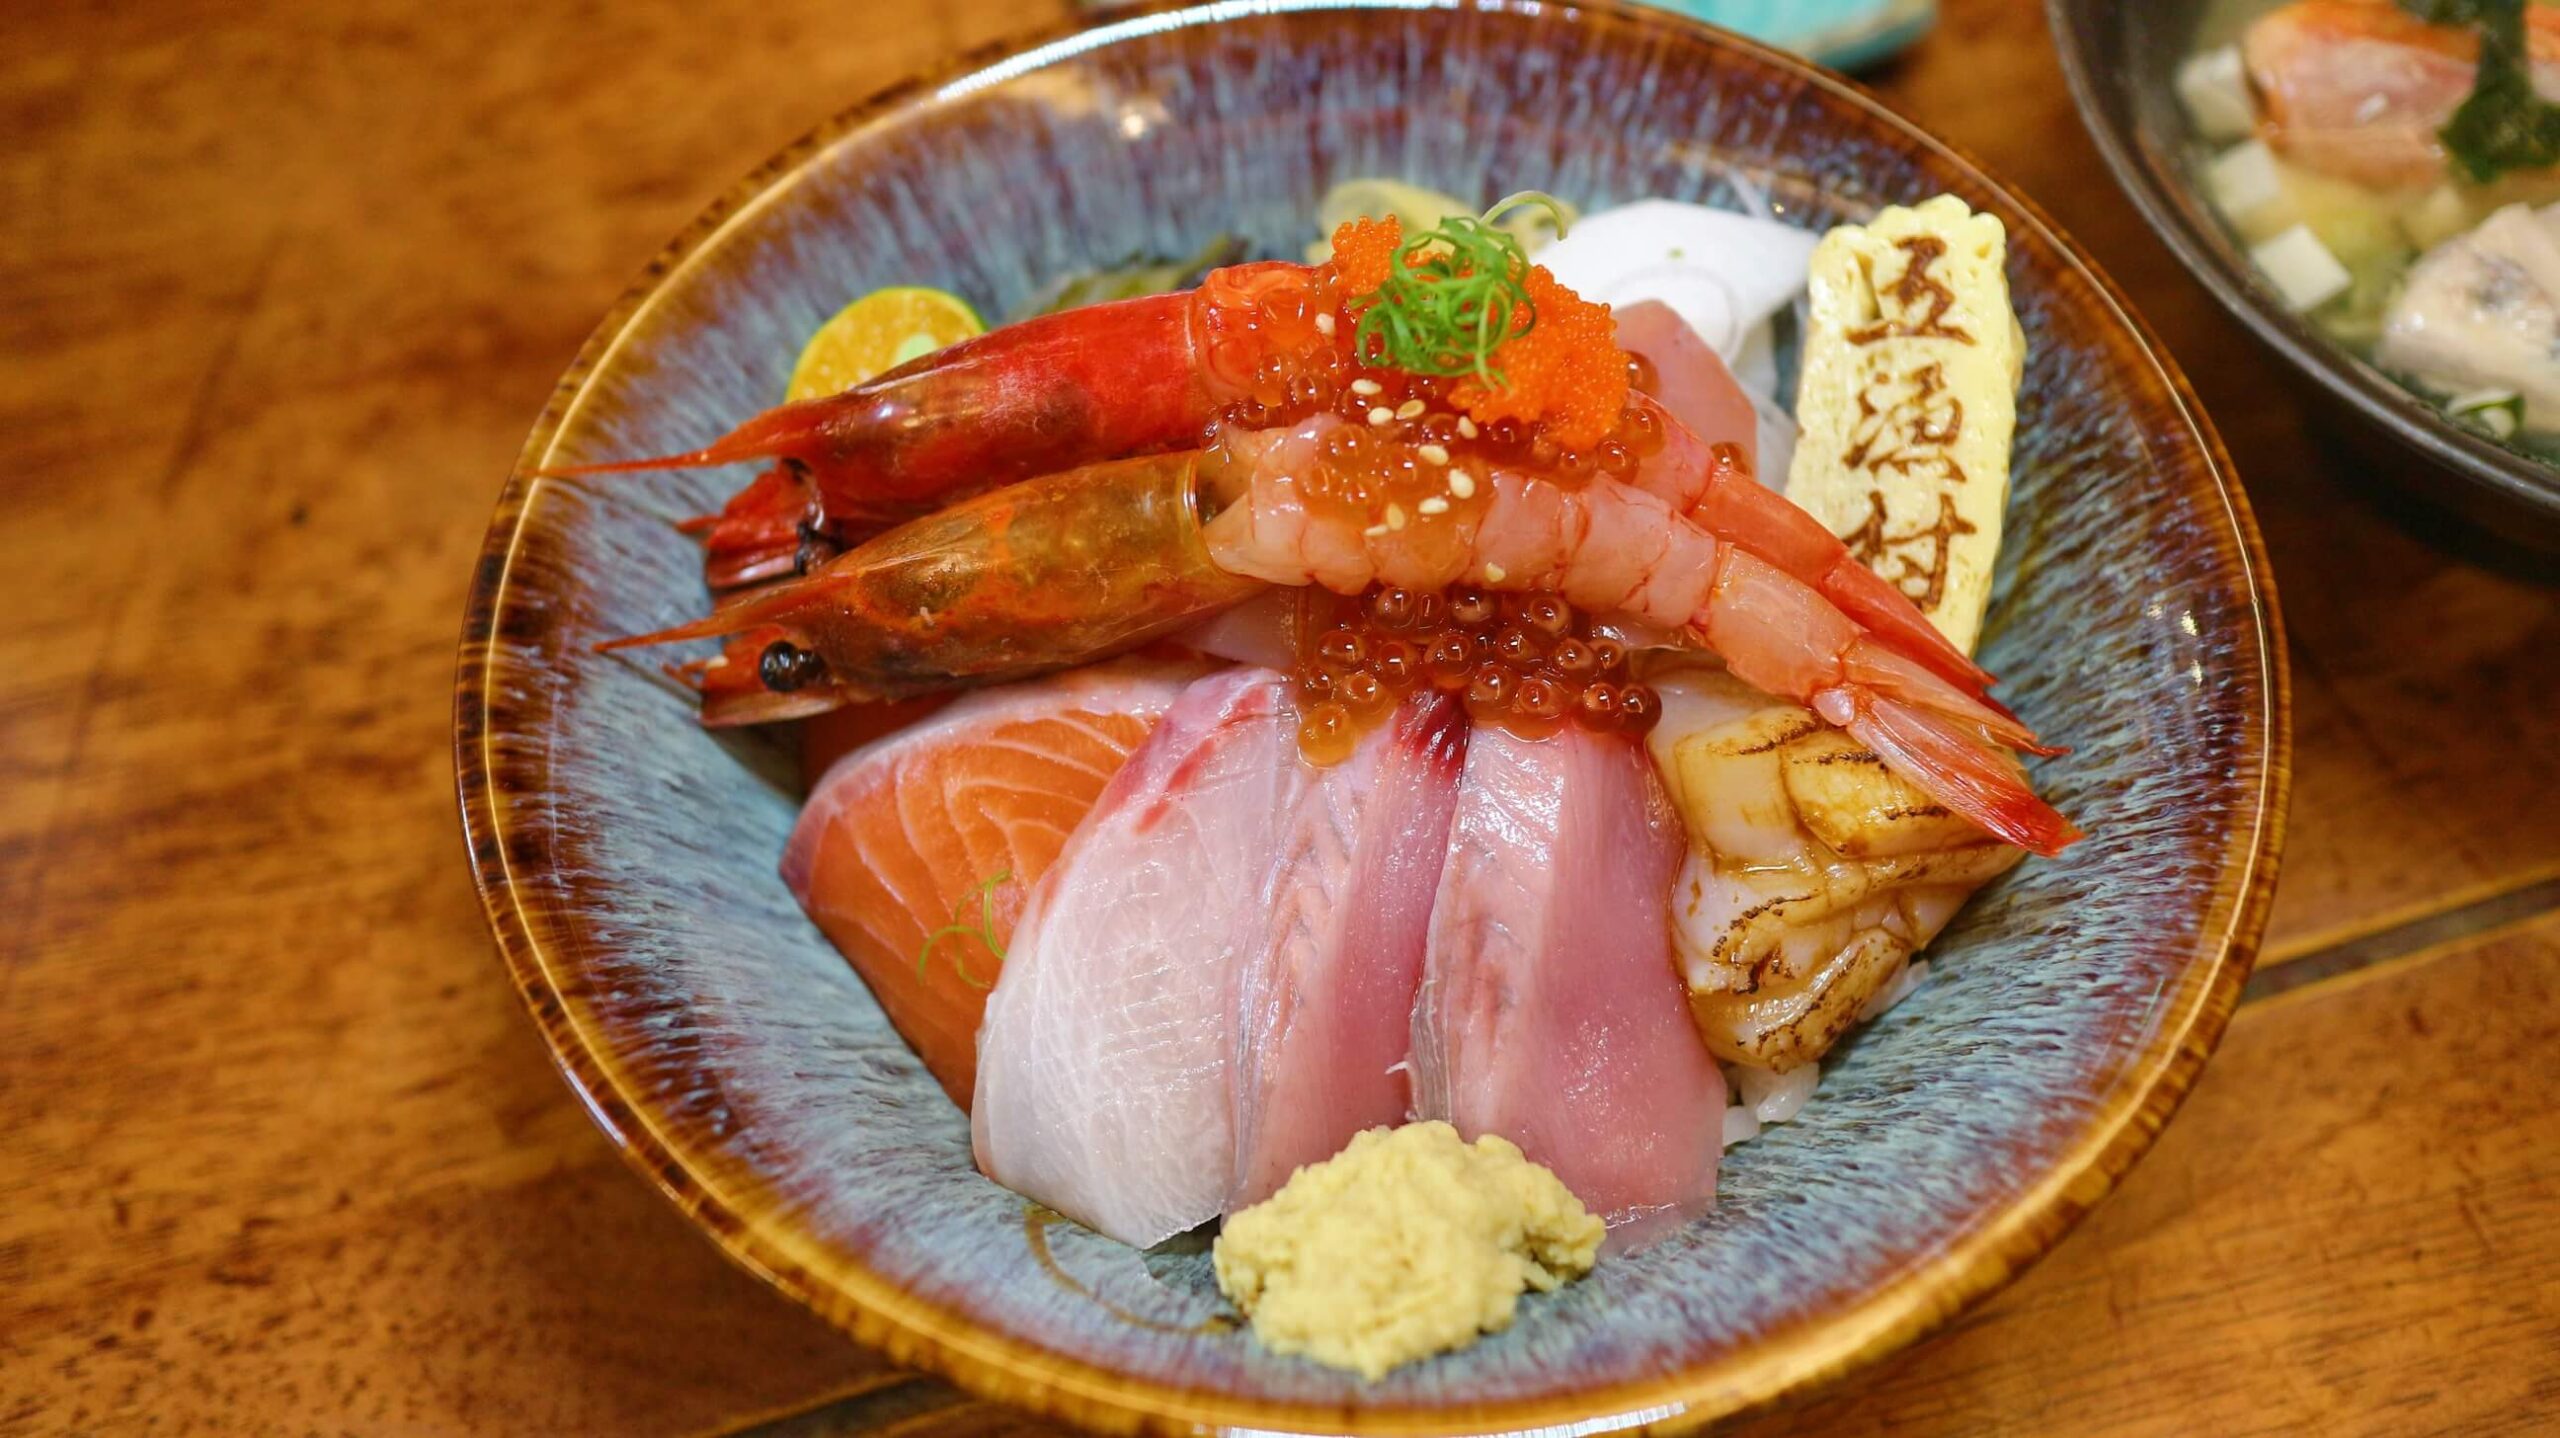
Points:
x=1421 y=790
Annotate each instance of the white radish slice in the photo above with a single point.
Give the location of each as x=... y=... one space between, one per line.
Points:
x=1722 y=272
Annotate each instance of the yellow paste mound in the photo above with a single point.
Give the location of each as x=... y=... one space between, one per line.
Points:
x=1409 y=1242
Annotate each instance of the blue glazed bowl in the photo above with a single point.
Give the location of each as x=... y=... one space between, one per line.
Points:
x=627 y=857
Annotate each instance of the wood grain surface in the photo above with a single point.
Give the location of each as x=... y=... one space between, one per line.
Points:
x=282 y=289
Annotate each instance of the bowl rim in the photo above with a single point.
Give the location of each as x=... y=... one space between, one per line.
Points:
x=875 y=1311
x=2401 y=411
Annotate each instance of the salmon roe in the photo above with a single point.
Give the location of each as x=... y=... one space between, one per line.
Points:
x=1407 y=468
x=1528 y=662
x=1410 y=466
x=1414 y=453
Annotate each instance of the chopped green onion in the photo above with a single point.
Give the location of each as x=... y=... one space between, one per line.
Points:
x=984 y=931
x=1556 y=209
x=2499 y=411
x=1453 y=294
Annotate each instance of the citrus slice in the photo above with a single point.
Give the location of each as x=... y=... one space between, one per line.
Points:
x=878 y=332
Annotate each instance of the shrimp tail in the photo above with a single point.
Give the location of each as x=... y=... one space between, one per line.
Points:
x=1875 y=665
x=1871 y=599
x=1923 y=726
x=1977 y=780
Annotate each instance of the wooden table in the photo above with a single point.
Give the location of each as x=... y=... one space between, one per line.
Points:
x=280 y=294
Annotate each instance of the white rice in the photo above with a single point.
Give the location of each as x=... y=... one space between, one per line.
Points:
x=1739 y=1125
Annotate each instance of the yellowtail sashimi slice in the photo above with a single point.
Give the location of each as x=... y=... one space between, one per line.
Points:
x=1549 y=1012
x=1325 y=1000
x=1105 y=1075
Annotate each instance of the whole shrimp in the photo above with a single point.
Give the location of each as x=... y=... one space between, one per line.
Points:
x=1610 y=547
x=1253 y=344
x=1071 y=567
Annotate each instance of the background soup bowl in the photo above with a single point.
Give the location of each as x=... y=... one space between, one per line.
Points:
x=2121 y=62
x=627 y=857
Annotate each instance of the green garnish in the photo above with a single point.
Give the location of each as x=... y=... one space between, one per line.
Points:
x=2503 y=125
x=984 y=931
x=2500 y=412
x=1453 y=294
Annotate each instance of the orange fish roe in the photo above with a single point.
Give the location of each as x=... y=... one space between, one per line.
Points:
x=1565 y=374
x=1362 y=250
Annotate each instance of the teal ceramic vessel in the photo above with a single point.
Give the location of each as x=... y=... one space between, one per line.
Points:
x=1843 y=34
x=627 y=857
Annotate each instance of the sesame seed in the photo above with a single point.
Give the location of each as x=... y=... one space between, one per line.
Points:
x=1324 y=324
x=1462 y=484
x=1367 y=387
x=1434 y=504
x=1410 y=408
x=1493 y=573
x=1375 y=530
x=1395 y=516
x=1381 y=415
x=1432 y=453
x=1466 y=427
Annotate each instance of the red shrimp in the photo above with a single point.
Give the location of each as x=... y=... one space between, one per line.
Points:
x=1106 y=381
x=1712 y=485
x=1612 y=547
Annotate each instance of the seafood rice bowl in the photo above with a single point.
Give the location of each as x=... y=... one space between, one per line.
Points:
x=1391 y=803
x=1397 y=692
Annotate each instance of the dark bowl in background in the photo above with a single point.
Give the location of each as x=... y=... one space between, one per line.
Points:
x=2121 y=60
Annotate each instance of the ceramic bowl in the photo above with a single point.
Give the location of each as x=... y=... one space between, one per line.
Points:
x=2121 y=62
x=627 y=856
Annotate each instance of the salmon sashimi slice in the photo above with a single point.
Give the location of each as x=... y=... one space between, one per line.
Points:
x=1549 y=1010
x=1105 y=1075
x=1325 y=1001
x=936 y=833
